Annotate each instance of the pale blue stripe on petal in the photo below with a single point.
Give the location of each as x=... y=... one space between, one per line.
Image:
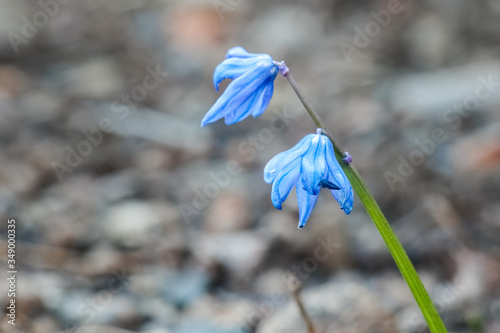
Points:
x=306 y=203
x=237 y=93
x=239 y=52
x=265 y=97
x=233 y=68
x=245 y=109
x=284 y=182
x=345 y=195
x=314 y=167
x=278 y=162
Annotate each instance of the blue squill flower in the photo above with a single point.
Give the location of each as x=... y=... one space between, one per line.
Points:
x=251 y=89
x=309 y=166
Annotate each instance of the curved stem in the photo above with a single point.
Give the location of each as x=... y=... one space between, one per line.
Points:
x=395 y=248
x=314 y=115
x=302 y=309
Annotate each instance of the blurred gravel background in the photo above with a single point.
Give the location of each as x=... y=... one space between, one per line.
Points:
x=131 y=218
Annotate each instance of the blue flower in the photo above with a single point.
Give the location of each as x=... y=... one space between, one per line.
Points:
x=309 y=166
x=251 y=89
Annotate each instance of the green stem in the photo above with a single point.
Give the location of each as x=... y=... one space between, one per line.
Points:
x=395 y=248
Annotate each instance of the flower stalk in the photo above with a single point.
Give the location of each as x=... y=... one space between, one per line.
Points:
x=310 y=165
x=302 y=309
x=397 y=251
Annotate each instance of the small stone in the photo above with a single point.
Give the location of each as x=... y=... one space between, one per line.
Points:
x=195 y=26
x=183 y=287
x=229 y=212
x=20 y=178
x=478 y=151
x=131 y=223
x=431 y=38
x=40 y=106
x=97 y=78
x=227 y=315
x=197 y=326
x=43 y=324
x=153 y=159
x=271 y=281
x=241 y=252
x=12 y=82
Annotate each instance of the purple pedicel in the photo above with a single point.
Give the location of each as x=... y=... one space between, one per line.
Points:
x=282 y=67
x=347 y=159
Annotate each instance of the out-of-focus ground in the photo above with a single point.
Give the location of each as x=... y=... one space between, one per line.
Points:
x=130 y=217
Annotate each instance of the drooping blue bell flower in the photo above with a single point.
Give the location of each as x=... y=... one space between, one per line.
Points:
x=251 y=89
x=309 y=166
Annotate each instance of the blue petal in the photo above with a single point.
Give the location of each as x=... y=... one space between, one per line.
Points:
x=244 y=110
x=286 y=179
x=238 y=92
x=344 y=197
x=233 y=68
x=247 y=84
x=336 y=175
x=314 y=167
x=280 y=161
x=265 y=97
x=256 y=103
x=306 y=203
x=239 y=52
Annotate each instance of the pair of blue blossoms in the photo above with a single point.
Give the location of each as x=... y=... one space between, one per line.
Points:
x=310 y=165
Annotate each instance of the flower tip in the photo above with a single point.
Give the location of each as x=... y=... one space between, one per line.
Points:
x=302 y=224
x=347 y=209
x=236 y=51
x=269 y=175
x=277 y=205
